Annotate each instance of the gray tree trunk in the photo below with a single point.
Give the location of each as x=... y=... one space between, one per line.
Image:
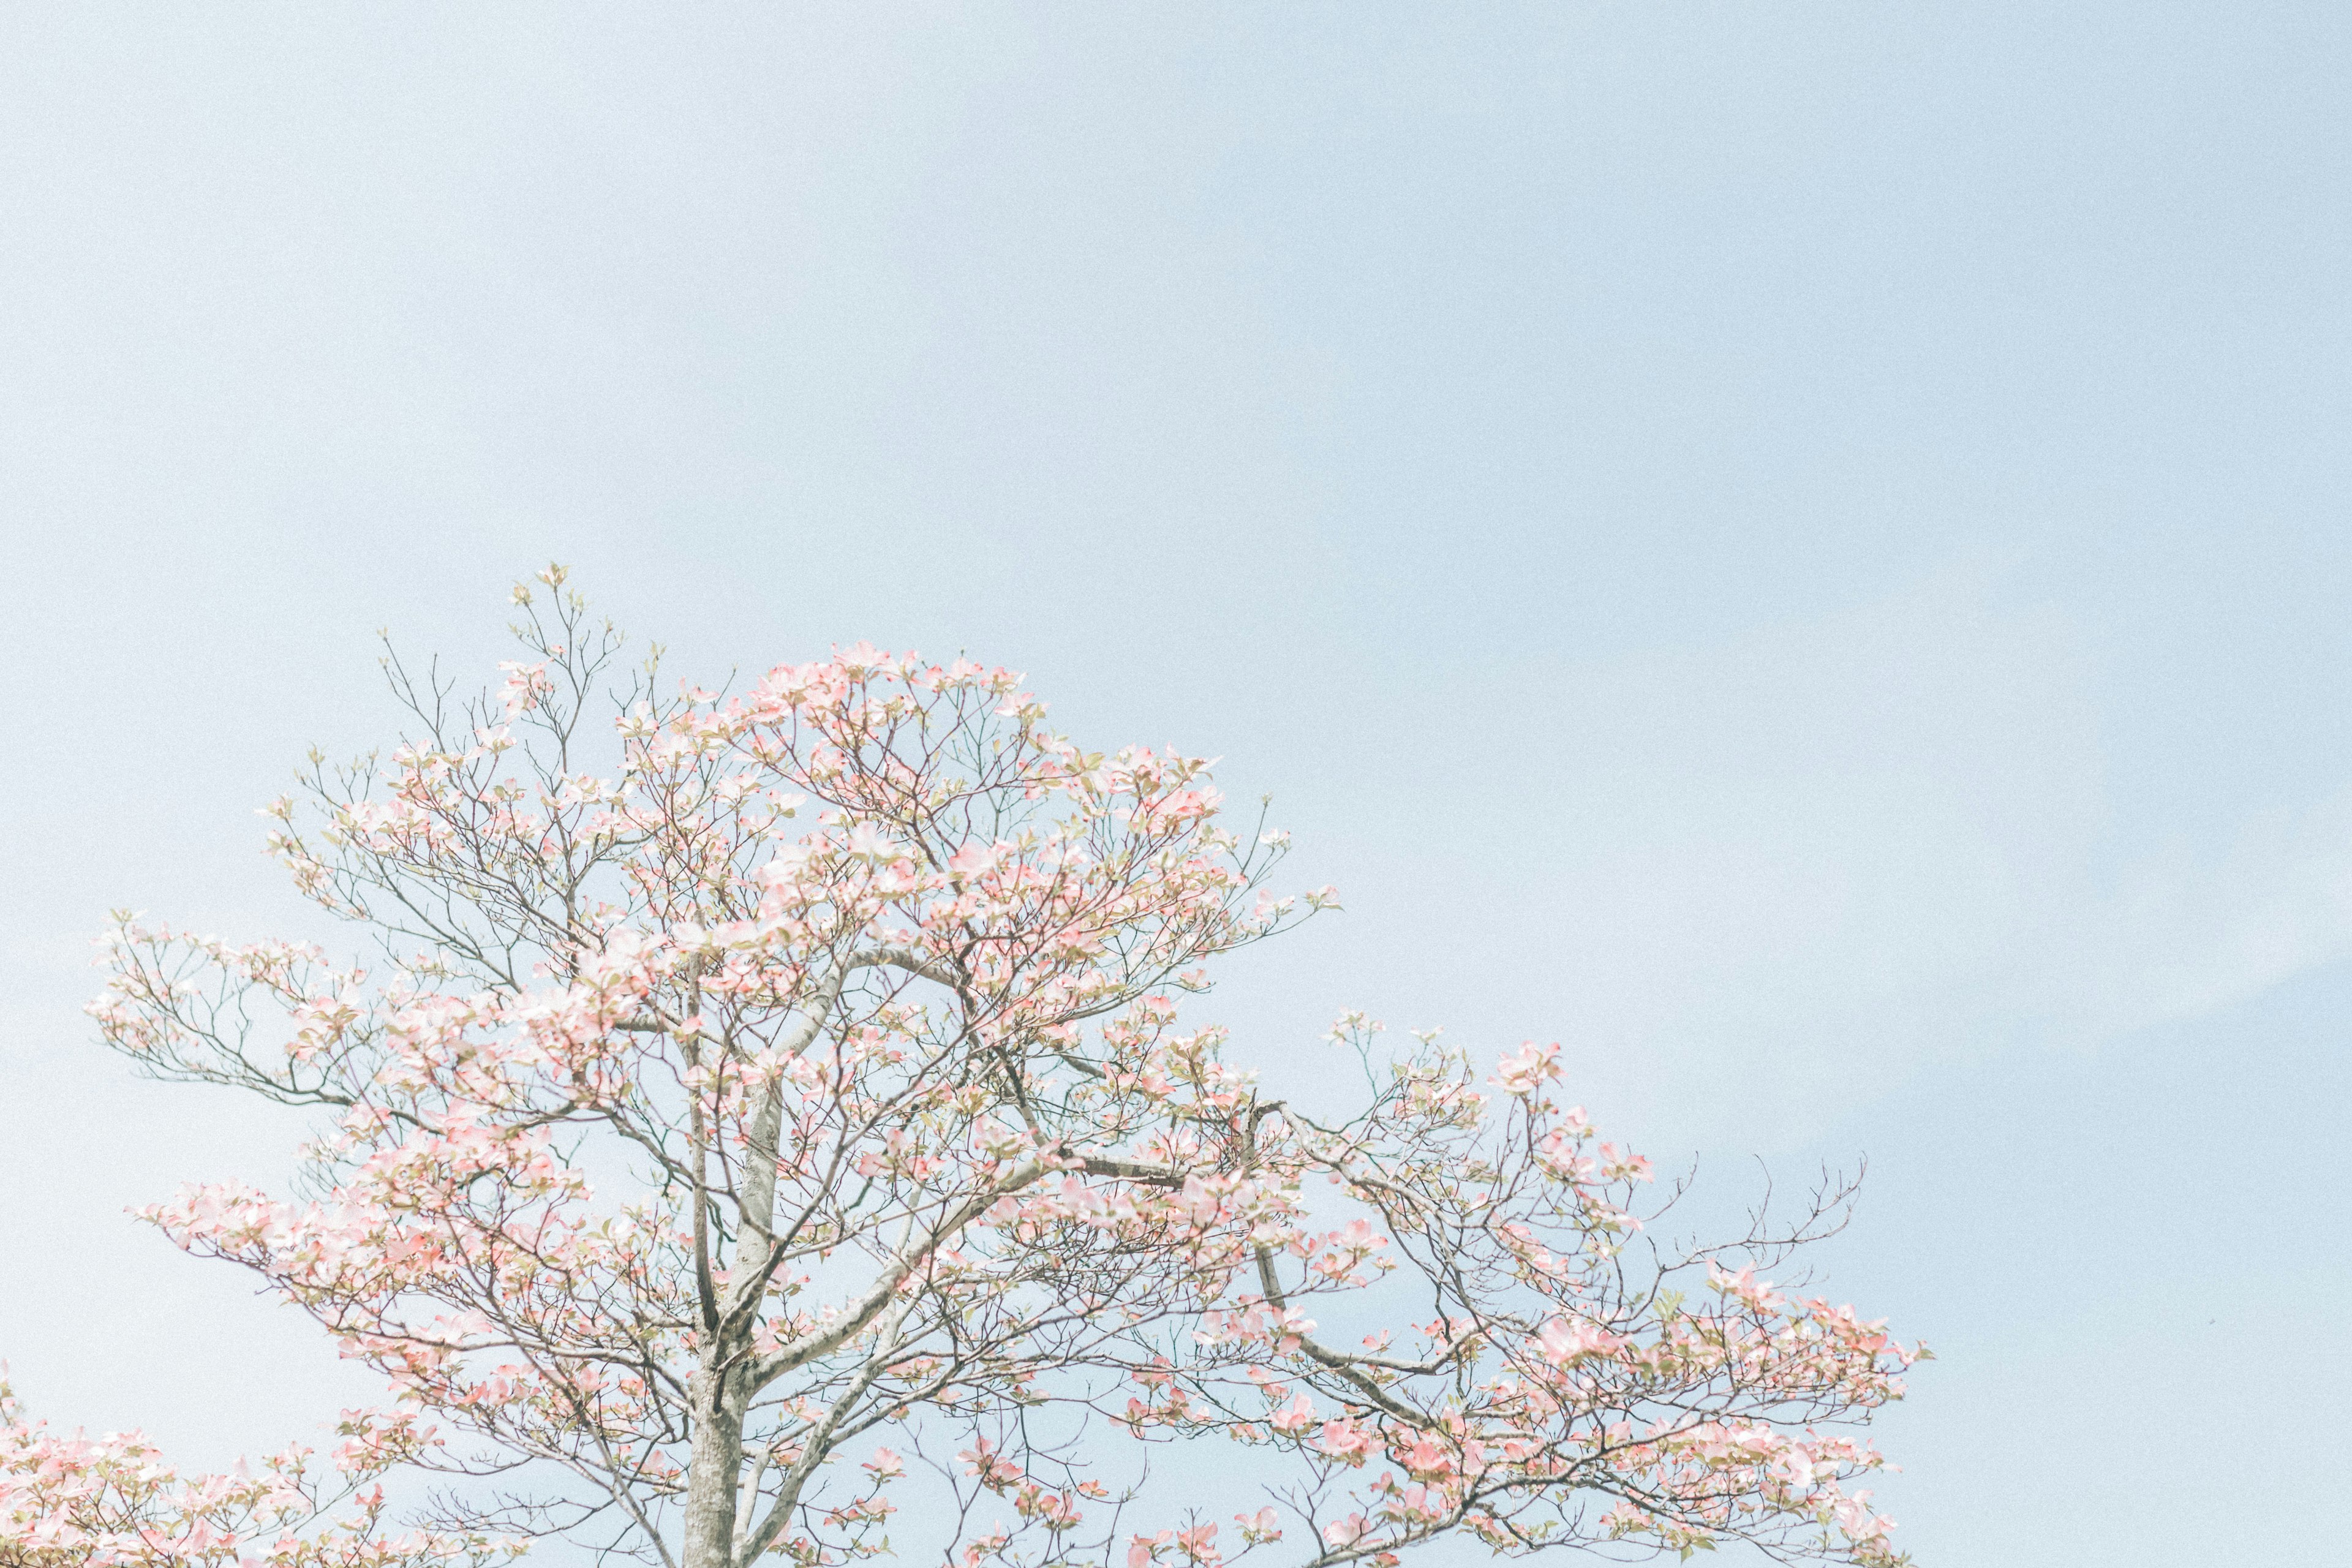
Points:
x=716 y=1468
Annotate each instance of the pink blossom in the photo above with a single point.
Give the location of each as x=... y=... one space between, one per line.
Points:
x=1528 y=1068
x=1341 y=1533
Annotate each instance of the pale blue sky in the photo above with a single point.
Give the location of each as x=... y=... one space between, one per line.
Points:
x=1800 y=549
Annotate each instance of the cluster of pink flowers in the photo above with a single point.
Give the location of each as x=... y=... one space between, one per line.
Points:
x=72 y=1500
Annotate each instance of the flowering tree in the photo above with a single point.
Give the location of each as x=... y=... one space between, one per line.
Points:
x=778 y=1124
x=112 y=1501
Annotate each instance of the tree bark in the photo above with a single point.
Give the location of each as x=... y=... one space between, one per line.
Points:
x=716 y=1465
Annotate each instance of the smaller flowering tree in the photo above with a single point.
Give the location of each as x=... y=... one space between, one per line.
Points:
x=777 y=1129
x=112 y=1501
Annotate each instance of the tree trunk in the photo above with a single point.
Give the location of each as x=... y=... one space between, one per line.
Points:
x=714 y=1470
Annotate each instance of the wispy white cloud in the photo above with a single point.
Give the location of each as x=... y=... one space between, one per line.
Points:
x=1786 y=872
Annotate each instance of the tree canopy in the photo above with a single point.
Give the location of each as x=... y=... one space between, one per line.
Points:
x=763 y=1123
